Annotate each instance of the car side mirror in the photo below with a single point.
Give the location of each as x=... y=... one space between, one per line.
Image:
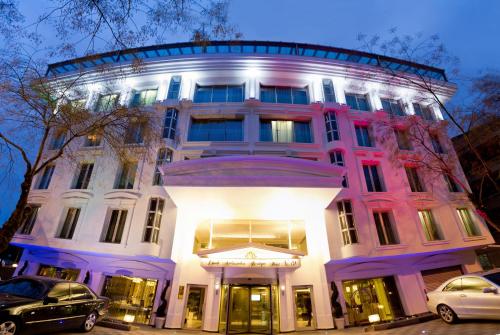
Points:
x=50 y=300
x=490 y=290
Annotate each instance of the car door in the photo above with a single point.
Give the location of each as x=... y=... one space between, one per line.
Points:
x=476 y=302
x=56 y=314
x=451 y=296
x=83 y=302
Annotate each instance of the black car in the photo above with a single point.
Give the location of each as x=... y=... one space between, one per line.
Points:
x=30 y=305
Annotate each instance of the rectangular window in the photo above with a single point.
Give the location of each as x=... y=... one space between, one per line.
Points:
x=436 y=144
x=29 y=219
x=82 y=179
x=402 y=139
x=116 y=226
x=284 y=94
x=126 y=177
x=467 y=222
x=58 y=139
x=69 y=224
x=135 y=132
x=328 y=90
x=373 y=181
x=219 y=93
x=363 y=136
x=431 y=230
x=144 y=98
x=332 y=129
x=153 y=221
x=392 y=107
x=346 y=219
x=174 y=88
x=337 y=158
x=451 y=184
x=44 y=181
x=385 y=232
x=164 y=156
x=93 y=140
x=414 y=179
x=357 y=101
x=424 y=111
x=280 y=131
x=170 y=123
x=105 y=103
x=216 y=130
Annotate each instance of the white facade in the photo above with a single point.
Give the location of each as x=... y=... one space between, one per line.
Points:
x=260 y=181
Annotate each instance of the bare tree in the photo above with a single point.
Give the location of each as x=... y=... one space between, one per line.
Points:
x=459 y=120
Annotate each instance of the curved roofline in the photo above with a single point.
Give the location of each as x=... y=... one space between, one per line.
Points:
x=245 y=47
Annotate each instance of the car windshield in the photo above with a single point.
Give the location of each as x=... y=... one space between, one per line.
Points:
x=494 y=277
x=23 y=288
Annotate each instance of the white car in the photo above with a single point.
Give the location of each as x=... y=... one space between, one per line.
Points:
x=471 y=296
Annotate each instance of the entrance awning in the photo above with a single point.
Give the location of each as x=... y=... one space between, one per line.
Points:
x=258 y=187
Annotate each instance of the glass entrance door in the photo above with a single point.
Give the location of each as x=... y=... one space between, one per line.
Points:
x=193 y=315
x=249 y=309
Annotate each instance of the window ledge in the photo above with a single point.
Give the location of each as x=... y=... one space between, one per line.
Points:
x=284 y=144
x=24 y=237
x=207 y=143
x=474 y=238
x=437 y=242
x=391 y=247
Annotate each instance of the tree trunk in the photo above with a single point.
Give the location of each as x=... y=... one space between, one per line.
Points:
x=15 y=220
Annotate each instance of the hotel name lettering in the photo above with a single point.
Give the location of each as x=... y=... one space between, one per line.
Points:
x=251 y=263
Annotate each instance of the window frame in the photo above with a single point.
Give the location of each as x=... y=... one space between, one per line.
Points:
x=68 y=225
x=414 y=180
x=131 y=171
x=402 y=139
x=357 y=97
x=427 y=219
x=332 y=127
x=44 y=180
x=116 y=227
x=108 y=107
x=85 y=179
x=470 y=228
x=170 y=123
x=370 y=181
x=337 y=157
x=142 y=101
x=383 y=225
x=26 y=227
x=366 y=141
x=174 y=88
x=327 y=84
x=157 y=215
x=276 y=90
x=275 y=133
x=160 y=160
x=347 y=231
x=213 y=91
x=213 y=131
x=395 y=106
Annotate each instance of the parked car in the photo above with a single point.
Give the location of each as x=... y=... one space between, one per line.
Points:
x=30 y=305
x=471 y=296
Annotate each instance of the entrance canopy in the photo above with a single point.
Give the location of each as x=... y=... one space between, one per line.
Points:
x=258 y=187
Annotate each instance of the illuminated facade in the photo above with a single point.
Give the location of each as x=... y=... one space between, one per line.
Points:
x=270 y=189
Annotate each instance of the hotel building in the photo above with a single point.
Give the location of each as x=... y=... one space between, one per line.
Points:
x=271 y=191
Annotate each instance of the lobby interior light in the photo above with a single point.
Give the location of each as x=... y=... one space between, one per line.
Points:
x=374 y=318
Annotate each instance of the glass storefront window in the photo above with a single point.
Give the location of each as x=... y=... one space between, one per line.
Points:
x=365 y=297
x=56 y=272
x=131 y=298
x=213 y=234
x=304 y=316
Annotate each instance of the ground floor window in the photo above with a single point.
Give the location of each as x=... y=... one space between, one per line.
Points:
x=57 y=272
x=376 y=297
x=131 y=298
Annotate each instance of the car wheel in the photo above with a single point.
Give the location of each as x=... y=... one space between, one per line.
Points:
x=8 y=327
x=90 y=322
x=447 y=314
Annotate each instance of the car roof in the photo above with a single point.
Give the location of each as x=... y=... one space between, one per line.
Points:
x=46 y=280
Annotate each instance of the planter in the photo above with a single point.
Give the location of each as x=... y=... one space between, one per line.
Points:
x=339 y=323
x=159 y=322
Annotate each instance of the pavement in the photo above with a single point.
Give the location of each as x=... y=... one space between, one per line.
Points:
x=434 y=327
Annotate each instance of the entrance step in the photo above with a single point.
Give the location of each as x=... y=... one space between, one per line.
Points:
x=401 y=322
x=117 y=324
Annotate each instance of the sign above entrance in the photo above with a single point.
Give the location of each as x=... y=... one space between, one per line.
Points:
x=251 y=263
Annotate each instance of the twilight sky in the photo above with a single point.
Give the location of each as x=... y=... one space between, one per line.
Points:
x=469 y=29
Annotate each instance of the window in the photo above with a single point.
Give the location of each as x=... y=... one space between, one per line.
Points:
x=44 y=181
x=135 y=132
x=106 y=103
x=164 y=156
x=337 y=157
x=93 y=140
x=455 y=285
x=451 y=183
x=392 y=107
x=373 y=181
x=153 y=220
x=467 y=222
x=402 y=139
x=144 y=98
x=83 y=177
x=69 y=224
x=216 y=130
x=80 y=292
x=116 y=226
x=436 y=144
x=414 y=179
x=328 y=90
x=357 y=101
x=363 y=136
x=29 y=218
x=219 y=93
x=174 y=88
x=170 y=124
x=285 y=95
x=78 y=104
x=60 y=291
x=57 y=139
x=474 y=284
x=280 y=131
x=431 y=230
x=346 y=219
x=57 y=272
x=332 y=129
x=385 y=232
x=345 y=181
x=126 y=177
x=424 y=111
